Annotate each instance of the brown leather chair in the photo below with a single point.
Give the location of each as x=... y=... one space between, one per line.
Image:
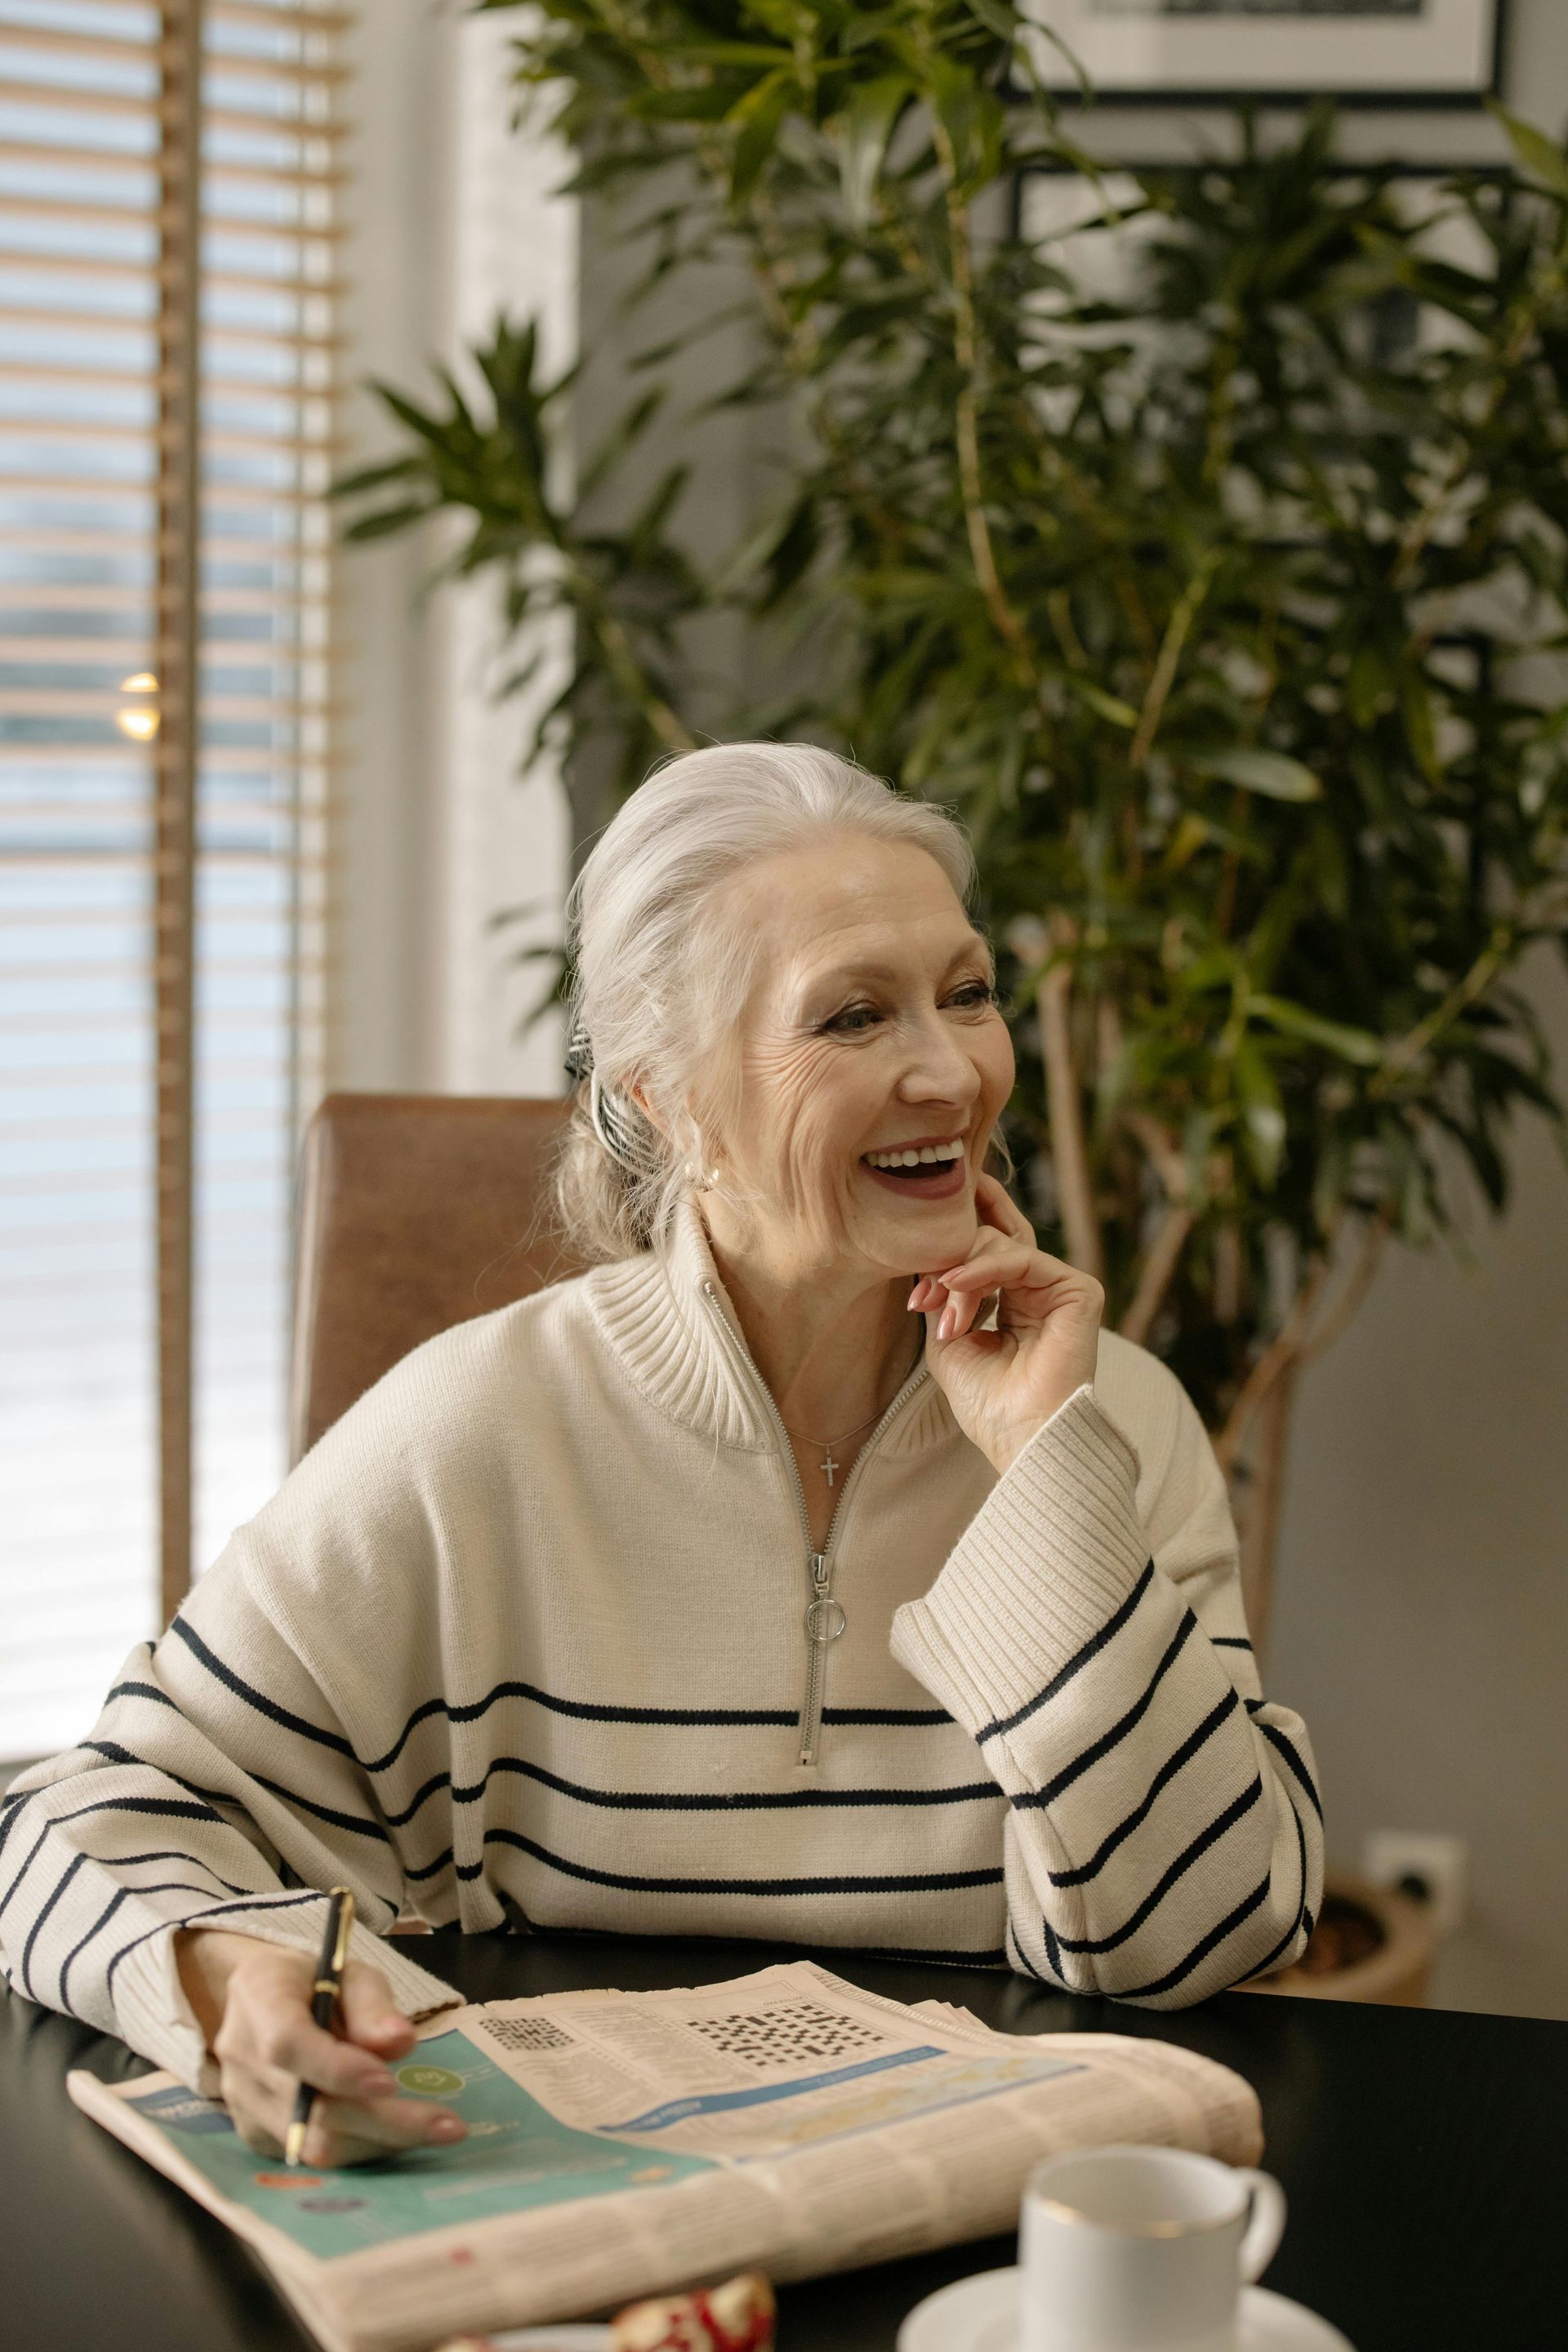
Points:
x=416 y=1211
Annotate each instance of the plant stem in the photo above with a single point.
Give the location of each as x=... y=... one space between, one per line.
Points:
x=1276 y=1360
x=1414 y=1044
x=1260 y=1534
x=966 y=426
x=1165 y=676
x=1159 y=1270
x=1069 y=1150
x=1348 y=1305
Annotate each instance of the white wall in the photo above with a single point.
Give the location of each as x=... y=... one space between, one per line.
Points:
x=512 y=247
x=1422 y=1619
x=458 y=218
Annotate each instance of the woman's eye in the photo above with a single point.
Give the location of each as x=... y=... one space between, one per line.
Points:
x=854 y=1021
x=973 y=995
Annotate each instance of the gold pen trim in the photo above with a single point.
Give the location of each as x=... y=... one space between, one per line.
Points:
x=345 y=1928
x=294 y=2143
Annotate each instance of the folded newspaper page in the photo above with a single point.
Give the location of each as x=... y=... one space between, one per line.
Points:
x=623 y=2144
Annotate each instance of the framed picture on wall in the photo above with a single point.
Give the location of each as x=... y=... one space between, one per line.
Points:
x=1179 y=52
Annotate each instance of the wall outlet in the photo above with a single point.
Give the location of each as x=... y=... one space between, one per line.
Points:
x=1424 y=1858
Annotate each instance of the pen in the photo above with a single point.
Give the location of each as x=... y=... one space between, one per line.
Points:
x=324 y=1995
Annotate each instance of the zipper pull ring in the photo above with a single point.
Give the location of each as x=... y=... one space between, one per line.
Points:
x=824 y=1618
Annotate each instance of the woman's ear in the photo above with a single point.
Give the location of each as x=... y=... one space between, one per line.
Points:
x=636 y=1092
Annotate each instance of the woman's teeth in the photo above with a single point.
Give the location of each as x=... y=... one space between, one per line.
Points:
x=928 y=1156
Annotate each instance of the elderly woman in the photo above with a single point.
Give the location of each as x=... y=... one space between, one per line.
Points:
x=816 y=1568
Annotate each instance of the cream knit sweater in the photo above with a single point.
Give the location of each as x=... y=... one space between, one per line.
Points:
x=523 y=1642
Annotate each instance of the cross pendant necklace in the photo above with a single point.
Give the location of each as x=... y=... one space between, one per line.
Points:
x=827 y=1466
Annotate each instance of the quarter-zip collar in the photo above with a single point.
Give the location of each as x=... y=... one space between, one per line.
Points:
x=656 y=1313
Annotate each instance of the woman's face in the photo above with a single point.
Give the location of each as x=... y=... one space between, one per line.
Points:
x=870 y=1030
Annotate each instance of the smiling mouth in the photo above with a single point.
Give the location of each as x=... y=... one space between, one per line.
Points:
x=929 y=1171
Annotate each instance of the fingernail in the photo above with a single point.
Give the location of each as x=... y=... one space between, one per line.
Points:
x=379 y=2086
x=445 y=2129
x=944 y=1329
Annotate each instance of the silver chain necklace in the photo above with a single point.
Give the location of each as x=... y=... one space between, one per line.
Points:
x=828 y=1465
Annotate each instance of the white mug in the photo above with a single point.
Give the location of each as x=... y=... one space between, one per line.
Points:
x=1141 y=2249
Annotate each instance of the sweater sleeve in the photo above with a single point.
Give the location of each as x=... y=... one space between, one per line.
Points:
x=1164 y=1836
x=173 y=1811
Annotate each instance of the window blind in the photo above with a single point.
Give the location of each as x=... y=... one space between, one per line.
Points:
x=171 y=189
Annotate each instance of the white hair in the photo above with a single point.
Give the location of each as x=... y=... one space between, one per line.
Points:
x=656 y=976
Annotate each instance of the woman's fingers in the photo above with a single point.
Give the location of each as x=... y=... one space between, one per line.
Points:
x=342 y=2131
x=371 y=2017
x=997 y=1206
x=345 y=2131
x=268 y=2045
x=294 y=2044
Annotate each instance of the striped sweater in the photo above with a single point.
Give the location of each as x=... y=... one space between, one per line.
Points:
x=523 y=1642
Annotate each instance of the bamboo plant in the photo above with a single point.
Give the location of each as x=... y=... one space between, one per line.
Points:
x=1227 y=609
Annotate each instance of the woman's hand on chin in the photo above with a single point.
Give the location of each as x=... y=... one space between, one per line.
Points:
x=1004 y=1385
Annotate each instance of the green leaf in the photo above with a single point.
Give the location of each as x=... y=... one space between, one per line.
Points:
x=1263 y=1124
x=998 y=18
x=1105 y=706
x=760 y=116
x=869 y=120
x=1420 y=725
x=1540 y=155
x=1351 y=1045
x=390 y=519
x=1367 y=682
x=1272 y=773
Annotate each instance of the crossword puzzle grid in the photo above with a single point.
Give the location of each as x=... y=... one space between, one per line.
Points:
x=526 y=2033
x=782 y=2037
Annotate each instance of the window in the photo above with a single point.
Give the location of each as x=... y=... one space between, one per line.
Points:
x=166 y=878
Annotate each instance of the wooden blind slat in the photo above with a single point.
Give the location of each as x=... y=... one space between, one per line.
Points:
x=133 y=444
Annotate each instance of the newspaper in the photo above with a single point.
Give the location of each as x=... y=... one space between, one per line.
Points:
x=625 y=2144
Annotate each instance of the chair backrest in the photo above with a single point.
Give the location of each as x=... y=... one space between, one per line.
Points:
x=416 y=1211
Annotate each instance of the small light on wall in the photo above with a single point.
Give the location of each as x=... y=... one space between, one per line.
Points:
x=139 y=725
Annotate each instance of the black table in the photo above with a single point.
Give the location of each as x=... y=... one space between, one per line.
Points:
x=1423 y=2154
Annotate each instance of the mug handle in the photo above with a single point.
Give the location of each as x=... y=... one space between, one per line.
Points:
x=1266 y=2227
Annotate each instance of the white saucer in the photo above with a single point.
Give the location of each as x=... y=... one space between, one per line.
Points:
x=981 y=2314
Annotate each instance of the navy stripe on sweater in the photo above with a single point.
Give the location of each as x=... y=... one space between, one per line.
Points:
x=60 y=1884
x=920 y=1882
x=909 y=1718
x=1288 y=1750
x=113 y=1753
x=1167 y=1772
x=38 y=1849
x=103 y=1920
x=1303 y=1917
x=1201 y=1950
x=255 y=1698
x=1223 y=1821
x=674 y=1800
x=211 y=1911
x=691 y=1718
x=1112 y=1738
x=167 y=1853
x=1075 y=1665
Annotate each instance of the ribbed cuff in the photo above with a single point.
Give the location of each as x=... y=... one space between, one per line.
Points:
x=1053 y=1552
x=157 y=2019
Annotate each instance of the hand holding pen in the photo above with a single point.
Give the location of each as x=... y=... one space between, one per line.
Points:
x=254 y=2001
x=325 y=1995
